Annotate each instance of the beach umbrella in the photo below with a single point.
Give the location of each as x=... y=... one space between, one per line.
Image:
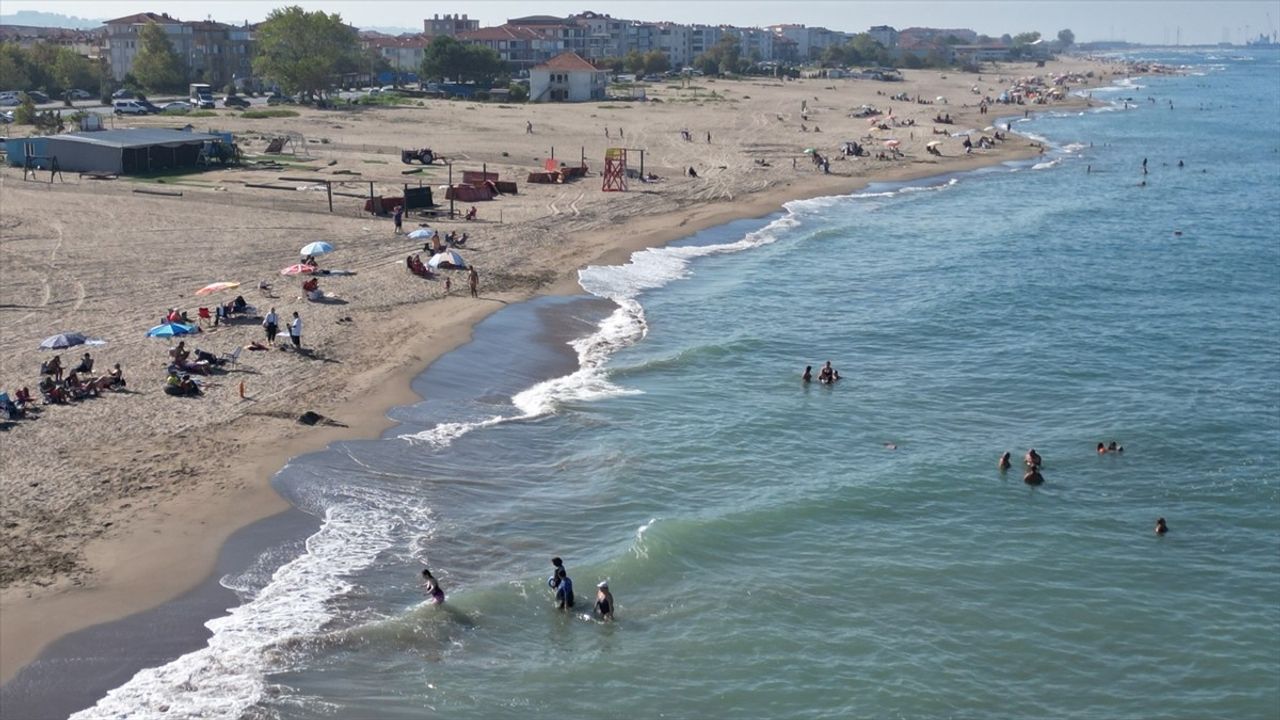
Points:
x=167 y=330
x=940 y=99
x=809 y=151
x=446 y=257
x=933 y=143
x=989 y=128
x=298 y=269
x=892 y=143
x=212 y=288
x=422 y=234
x=318 y=247
x=63 y=340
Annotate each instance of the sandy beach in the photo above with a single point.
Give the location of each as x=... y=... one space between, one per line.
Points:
x=119 y=503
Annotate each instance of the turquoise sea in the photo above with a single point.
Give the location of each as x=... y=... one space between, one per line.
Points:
x=779 y=550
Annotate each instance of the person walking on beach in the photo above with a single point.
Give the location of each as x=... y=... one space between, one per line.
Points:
x=271 y=323
x=473 y=280
x=295 y=331
x=398 y=218
x=604 y=601
x=431 y=587
x=528 y=127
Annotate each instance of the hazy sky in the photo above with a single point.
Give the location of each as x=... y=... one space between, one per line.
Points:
x=1147 y=21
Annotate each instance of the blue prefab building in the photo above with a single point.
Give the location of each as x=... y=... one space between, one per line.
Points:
x=123 y=152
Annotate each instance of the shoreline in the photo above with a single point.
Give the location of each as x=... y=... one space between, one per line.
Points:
x=180 y=554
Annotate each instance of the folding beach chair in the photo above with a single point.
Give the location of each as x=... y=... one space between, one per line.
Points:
x=233 y=357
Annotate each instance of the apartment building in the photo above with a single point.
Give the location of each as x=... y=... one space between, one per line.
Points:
x=449 y=25
x=87 y=43
x=213 y=52
x=403 y=53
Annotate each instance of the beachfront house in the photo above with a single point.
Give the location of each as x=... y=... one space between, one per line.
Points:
x=567 y=78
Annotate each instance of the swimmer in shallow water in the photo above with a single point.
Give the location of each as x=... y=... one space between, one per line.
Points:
x=808 y=374
x=431 y=587
x=828 y=374
x=604 y=601
x=1114 y=448
x=1102 y=449
x=1032 y=459
x=1161 y=527
x=1004 y=463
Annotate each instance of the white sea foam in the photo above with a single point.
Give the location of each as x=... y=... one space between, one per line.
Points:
x=228 y=676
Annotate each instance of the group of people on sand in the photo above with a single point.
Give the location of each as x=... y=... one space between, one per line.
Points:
x=559 y=582
x=827 y=375
x=58 y=385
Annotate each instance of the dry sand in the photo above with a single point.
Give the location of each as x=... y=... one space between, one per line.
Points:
x=118 y=503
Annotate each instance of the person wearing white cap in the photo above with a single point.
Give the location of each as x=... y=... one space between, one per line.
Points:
x=604 y=601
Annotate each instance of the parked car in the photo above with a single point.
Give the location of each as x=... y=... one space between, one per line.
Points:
x=123 y=94
x=235 y=101
x=128 y=107
x=277 y=99
x=176 y=106
x=6 y=117
x=388 y=88
x=37 y=97
x=80 y=94
x=374 y=91
x=9 y=100
x=147 y=105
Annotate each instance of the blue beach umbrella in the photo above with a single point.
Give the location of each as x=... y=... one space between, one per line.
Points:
x=63 y=340
x=318 y=247
x=170 y=330
x=422 y=234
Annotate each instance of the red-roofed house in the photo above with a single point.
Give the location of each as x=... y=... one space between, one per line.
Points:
x=567 y=78
x=519 y=46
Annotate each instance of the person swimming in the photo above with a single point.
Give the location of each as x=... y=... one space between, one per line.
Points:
x=432 y=587
x=808 y=374
x=828 y=374
x=1102 y=449
x=1004 y=463
x=1113 y=447
x=1033 y=476
x=1032 y=459
x=1161 y=527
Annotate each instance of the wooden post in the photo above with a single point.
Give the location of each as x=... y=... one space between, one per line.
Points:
x=328 y=187
x=642 y=164
x=450 y=192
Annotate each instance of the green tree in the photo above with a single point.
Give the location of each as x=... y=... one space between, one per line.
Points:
x=157 y=65
x=1025 y=38
x=72 y=71
x=25 y=113
x=448 y=59
x=614 y=63
x=656 y=62
x=14 y=68
x=303 y=51
x=635 y=62
x=1066 y=38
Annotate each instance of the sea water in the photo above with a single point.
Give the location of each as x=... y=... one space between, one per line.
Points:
x=781 y=550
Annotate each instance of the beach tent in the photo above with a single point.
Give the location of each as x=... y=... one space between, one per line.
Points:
x=422 y=234
x=446 y=259
x=170 y=330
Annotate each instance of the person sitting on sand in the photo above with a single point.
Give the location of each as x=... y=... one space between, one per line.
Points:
x=181 y=385
x=76 y=389
x=808 y=374
x=1033 y=476
x=604 y=601
x=23 y=399
x=310 y=261
x=1004 y=463
x=1032 y=458
x=113 y=380
x=86 y=364
x=179 y=353
x=1161 y=527
x=53 y=367
x=471 y=214
x=431 y=587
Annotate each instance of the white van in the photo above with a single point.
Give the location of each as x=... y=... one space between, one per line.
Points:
x=128 y=107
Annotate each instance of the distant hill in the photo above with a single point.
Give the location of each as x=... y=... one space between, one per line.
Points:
x=33 y=18
x=394 y=30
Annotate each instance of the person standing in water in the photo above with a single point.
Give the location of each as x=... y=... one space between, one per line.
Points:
x=808 y=374
x=564 y=590
x=1161 y=527
x=431 y=587
x=1004 y=463
x=604 y=601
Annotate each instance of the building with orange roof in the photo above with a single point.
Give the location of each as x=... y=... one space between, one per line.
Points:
x=567 y=78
